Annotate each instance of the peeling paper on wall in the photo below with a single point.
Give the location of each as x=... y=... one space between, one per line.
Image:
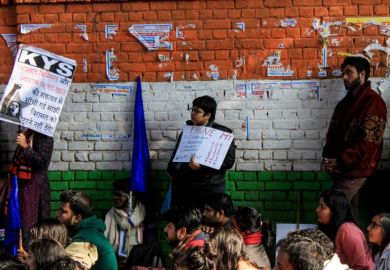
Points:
x=85 y=65
x=152 y=36
x=179 y=33
x=273 y=59
x=10 y=40
x=240 y=89
x=240 y=26
x=376 y=47
x=257 y=89
x=27 y=28
x=288 y=22
x=168 y=75
x=111 y=71
x=213 y=73
x=163 y=58
x=83 y=29
x=110 y=30
x=279 y=71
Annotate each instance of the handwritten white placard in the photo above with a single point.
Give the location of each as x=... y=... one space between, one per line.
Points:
x=37 y=89
x=208 y=145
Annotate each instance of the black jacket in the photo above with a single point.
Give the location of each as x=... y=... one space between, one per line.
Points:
x=182 y=173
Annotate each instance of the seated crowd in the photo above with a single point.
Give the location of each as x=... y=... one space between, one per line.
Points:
x=217 y=237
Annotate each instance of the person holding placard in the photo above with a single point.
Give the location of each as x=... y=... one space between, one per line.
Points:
x=192 y=182
x=30 y=164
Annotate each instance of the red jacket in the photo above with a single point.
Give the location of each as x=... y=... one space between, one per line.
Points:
x=355 y=134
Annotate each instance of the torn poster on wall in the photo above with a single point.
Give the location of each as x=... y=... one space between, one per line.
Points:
x=83 y=29
x=240 y=89
x=288 y=22
x=27 y=28
x=152 y=36
x=110 y=30
x=279 y=71
x=257 y=89
x=37 y=89
x=213 y=73
x=240 y=26
x=10 y=40
x=114 y=89
x=111 y=70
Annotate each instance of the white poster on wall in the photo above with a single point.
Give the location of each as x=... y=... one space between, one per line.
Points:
x=37 y=89
x=208 y=145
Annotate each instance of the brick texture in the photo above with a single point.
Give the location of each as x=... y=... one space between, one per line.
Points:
x=207 y=28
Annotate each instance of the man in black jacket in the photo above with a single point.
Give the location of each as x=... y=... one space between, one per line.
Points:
x=192 y=182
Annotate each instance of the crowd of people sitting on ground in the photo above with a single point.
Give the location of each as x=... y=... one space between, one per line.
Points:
x=217 y=237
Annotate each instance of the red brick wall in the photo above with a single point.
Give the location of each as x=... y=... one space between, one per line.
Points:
x=7 y=26
x=214 y=40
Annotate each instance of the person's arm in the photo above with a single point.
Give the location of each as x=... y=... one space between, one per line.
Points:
x=172 y=166
x=40 y=154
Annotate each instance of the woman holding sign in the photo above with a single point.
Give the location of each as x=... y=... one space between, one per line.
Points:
x=30 y=164
x=192 y=182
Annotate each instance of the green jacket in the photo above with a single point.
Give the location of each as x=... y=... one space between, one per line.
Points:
x=91 y=230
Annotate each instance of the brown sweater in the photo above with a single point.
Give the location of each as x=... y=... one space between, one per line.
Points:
x=355 y=134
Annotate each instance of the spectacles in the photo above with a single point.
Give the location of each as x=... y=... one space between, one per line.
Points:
x=118 y=194
x=374 y=225
x=196 y=110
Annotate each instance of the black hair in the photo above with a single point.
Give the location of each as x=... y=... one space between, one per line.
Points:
x=221 y=201
x=385 y=222
x=122 y=185
x=360 y=63
x=196 y=258
x=189 y=218
x=208 y=104
x=79 y=202
x=340 y=208
x=303 y=253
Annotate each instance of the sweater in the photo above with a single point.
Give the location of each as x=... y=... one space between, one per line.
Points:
x=91 y=230
x=355 y=134
x=352 y=248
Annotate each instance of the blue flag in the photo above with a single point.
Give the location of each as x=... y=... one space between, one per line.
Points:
x=140 y=163
x=12 y=225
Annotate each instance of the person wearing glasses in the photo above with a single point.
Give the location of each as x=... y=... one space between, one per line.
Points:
x=124 y=228
x=192 y=182
x=336 y=220
x=379 y=236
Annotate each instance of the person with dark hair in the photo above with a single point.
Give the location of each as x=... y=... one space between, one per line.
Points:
x=217 y=211
x=87 y=232
x=66 y=263
x=43 y=252
x=183 y=228
x=379 y=235
x=192 y=182
x=298 y=252
x=336 y=220
x=249 y=223
x=30 y=164
x=229 y=246
x=354 y=141
x=196 y=258
x=48 y=228
x=332 y=260
x=124 y=230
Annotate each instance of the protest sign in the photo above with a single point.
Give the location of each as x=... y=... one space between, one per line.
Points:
x=208 y=145
x=37 y=89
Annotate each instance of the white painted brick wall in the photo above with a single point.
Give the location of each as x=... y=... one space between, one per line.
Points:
x=287 y=129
